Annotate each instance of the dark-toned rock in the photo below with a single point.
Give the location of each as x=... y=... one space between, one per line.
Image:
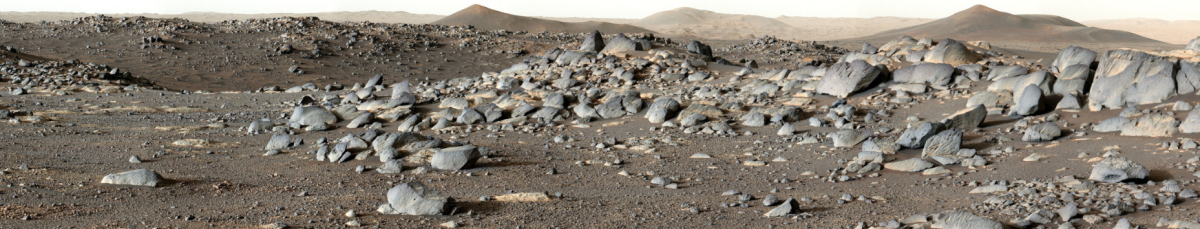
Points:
x=699 y=48
x=843 y=79
x=594 y=42
x=916 y=135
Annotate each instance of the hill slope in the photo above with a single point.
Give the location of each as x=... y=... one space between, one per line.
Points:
x=983 y=23
x=704 y=23
x=485 y=18
x=1174 y=32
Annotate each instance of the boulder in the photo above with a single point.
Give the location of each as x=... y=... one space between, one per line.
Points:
x=1113 y=124
x=709 y=111
x=1028 y=102
x=786 y=130
x=951 y=52
x=312 y=115
x=943 y=144
x=783 y=209
x=911 y=165
x=390 y=167
x=1117 y=169
x=278 y=141
x=754 y=119
x=594 y=42
x=140 y=177
x=917 y=134
x=938 y=75
x=1069 y=101
x=1073 y=80
x=1187 y=80
x=618 y=44
x=414 y=198
x=1000 y=72
x=1191 y=124
x=1042 y=132
x=849 y=138
x=699 y=48
x=1152 y=125
x=1073 y=55
x=964 y=220
x=1130 y=77
x=455 y=158
x=1194 y=44
x=966 y=119
x=843 y=79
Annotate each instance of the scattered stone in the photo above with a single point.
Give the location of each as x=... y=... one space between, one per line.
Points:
x=140 y=177
x=1117 y=169
x=414 y=198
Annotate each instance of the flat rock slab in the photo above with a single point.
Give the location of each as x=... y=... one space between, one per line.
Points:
x=140 y=177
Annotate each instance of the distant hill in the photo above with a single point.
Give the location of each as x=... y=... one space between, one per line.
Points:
x=704 y=23
x=485 y=18
x=824 y=29
x=373 y=16
x=1174 y=32
x=982 y=23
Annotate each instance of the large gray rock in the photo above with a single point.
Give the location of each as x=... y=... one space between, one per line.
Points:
x=951 y=52
x=1191 y=124
x=414 y=199
x=699 y=48
x=1130 y=77
x=1194 y=44
x=1042 y=132
x=455 y=158
x=1152 y=125
x=985 y=98
x=306 y=116
x=1113 y=124
x=934 y=74
x=964 y=220
x=1073 y=55
x=754 y=119
x=584 y=111
x=278 y=141
x=943 y=144
x=618 y=44
x=594 y=42
x=1028 y=102
x=784 y=209
x=1117 y=169
x=140 y=177
x=1069 y=101
x=1188 y=78
x=915 y=136
x=966 y=119
x=915 y=164
x=849 y=138
x=1000 y=72
x=390 y=167
x=709 y=111
x=843 y=79
x=470 y=116
x=1073 y=80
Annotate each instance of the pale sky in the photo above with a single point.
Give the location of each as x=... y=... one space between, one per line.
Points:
x=1080 y=10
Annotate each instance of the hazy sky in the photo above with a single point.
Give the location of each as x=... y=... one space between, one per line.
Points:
x=1074 y=9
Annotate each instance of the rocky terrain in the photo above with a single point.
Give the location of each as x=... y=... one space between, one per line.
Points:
x=298 y=122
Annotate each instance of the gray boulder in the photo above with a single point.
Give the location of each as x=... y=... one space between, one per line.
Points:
x=1194 y=44
x=1073 y=80
x=1028 y=102
x=966 y=119
x=584 y=111
x=1042 y=132
x=1117 y=169
x=915 y=164
x=699 y=48
x=390 y=167
x=943 y=144
x=938 y=75
x=1130 y=77
x=754 y=119
x=278 y=141
x=311 y=115
x=620 y=43
x=455 y=158
x=1191 y=124
x=414 y=199
x=951 y=52
x=593 y=42
x=783 y=209
x=849 y=138
x=470 y=116
x=1113 y=124
x=916 y=135
x=786 y=130
x=1187 y=80
x=1000 y=72
x=843 y=79
x=140 y=177
x=1152 y=125
x=1073 y=55
x=964 y=220
x=1069 y=101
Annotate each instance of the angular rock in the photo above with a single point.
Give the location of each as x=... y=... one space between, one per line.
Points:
x=849 y=138
x=414 y=198
x=951 y=52
x=620 y=43
x=1117 y=169
x=1152 y=125
x=783 y=209
x=1073 y=55
x=843 y=79
x=1113 y=124
x=966 y=119
x=916 y=135
x=931 y=73
x=910 y=165
x=455 y=158
x=594 y=42
x=306 y=116
x=278 y=141
x=964 y=220
x=945 y=143
x=1028 y=102
x=1191 y=124
x=1130 y=77
x=1041 y=132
